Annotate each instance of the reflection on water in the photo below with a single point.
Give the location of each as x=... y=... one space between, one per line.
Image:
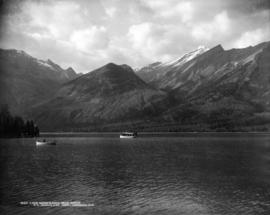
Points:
x=148 y=175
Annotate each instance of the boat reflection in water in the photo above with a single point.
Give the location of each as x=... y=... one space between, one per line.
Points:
x=129 y=134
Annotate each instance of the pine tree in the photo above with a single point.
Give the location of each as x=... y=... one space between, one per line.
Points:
x=11 y=126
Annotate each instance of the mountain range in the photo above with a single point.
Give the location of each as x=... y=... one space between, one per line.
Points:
x=26 y=81
x=112 y=93
x=204 y=90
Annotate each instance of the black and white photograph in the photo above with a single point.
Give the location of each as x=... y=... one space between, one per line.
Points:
x=135 y=107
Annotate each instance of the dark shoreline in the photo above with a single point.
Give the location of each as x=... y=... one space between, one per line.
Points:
x=152 y=134
x=145 y=134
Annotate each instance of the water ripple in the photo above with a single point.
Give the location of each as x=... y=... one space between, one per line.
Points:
x=144 y=176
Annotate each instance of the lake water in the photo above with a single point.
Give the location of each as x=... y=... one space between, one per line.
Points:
x=182 y=174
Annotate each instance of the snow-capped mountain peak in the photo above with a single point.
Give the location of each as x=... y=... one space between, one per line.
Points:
x=187 y=57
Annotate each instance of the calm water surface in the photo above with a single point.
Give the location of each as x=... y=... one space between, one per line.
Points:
x=227 y=174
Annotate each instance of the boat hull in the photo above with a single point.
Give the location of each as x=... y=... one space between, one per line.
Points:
x=41 y=143
x=127 y=137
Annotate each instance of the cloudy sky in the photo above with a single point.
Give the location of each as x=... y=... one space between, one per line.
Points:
x=86 y=34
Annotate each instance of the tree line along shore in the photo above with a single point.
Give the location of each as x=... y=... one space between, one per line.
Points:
x=16 y=126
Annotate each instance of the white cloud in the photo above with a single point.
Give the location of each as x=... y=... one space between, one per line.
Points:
x=184 y=10
x=110 y=11
x=172 y=9
x=154 y=41
x=90 y=39
x=139 y=35
x=251 y=38
x=39 y=36
x=56 y=18
x=219 y=27
x=157 y=4
x=88 y=34
x=148 y=39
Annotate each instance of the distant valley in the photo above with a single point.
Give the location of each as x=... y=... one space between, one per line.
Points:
x=204 y=90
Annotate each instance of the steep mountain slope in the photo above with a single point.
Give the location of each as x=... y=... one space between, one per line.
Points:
x=242 y=73
x=70 y=73
x=111 y=93
x=216 y=89
x=217 y=66
x=213 y=66
x=225 y=89
x=26 y=81
x=205 y=90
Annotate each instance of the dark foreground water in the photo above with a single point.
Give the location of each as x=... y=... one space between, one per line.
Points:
x=228 y=174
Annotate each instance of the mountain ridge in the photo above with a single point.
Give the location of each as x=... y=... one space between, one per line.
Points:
x=26 y=81
x=107 y=94
x=204 y=90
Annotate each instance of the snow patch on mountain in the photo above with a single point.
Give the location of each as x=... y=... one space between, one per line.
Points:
x=44 y=63
x=186 y=57
x=22 y=53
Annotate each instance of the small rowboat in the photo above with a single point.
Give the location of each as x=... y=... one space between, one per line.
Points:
x=45 y=142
